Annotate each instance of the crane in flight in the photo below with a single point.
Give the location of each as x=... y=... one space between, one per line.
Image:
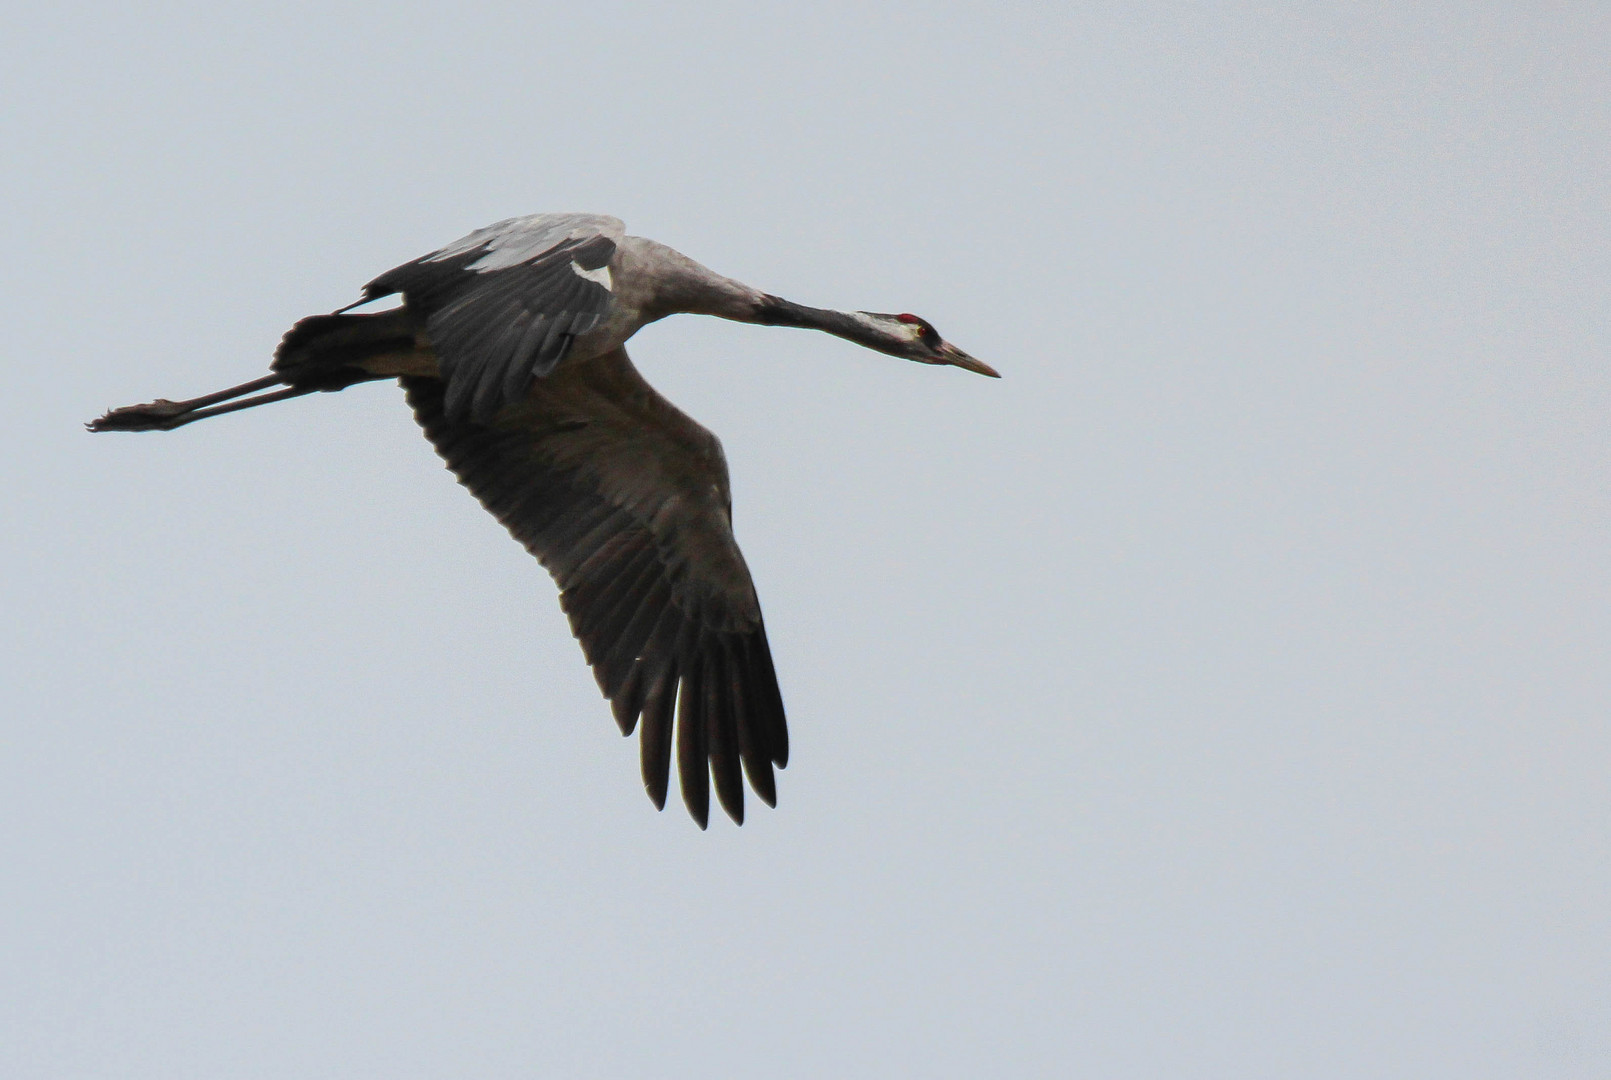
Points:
x=509 y=345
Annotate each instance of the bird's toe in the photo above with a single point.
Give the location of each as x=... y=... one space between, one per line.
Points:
x=151 y=415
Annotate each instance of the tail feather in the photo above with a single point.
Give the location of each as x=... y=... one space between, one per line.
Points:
x=332 y=351
x=323 y=352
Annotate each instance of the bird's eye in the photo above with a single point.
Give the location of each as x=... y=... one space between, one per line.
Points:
x=925 y=333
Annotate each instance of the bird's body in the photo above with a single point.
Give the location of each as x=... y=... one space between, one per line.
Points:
x=509 y=345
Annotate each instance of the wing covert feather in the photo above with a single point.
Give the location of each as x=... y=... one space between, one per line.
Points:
x=503 y=304
x=626 y=501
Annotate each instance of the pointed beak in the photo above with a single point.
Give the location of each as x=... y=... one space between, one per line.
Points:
x=950 y=354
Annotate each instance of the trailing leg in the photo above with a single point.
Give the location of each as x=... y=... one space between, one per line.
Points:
x=322 y=352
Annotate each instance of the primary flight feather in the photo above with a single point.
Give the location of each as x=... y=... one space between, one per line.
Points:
x=509 y=344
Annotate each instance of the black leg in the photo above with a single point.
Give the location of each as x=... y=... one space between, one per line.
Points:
x=164 y=415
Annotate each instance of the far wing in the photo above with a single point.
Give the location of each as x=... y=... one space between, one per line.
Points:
x=625 y=500
x=502 y=305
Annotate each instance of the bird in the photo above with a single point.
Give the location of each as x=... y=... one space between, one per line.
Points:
x=509 y=345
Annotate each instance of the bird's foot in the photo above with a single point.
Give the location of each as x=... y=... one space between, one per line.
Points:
x=155 y=415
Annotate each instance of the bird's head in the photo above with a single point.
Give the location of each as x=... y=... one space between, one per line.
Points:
x=915 y=338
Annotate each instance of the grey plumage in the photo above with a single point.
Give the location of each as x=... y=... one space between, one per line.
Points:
x=504 y=305
x=625 y=500
x=509 y=346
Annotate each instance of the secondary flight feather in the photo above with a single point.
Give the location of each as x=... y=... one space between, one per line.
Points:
x=509 y=345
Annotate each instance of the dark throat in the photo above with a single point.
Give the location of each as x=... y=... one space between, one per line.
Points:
x=776 y=311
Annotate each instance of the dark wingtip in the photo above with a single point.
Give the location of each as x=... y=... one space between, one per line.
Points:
x=762 y=782
x=734 y=808
x=626 y=719
x=699 y=811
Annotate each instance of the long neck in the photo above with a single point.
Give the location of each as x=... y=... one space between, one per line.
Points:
x=660 y=281
x=673 y=283
x=775 y=311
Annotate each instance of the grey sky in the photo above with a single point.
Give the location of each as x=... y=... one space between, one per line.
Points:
x=1223 y=693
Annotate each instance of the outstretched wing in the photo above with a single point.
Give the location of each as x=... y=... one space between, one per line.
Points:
x=625 y=500
x=502 y=305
